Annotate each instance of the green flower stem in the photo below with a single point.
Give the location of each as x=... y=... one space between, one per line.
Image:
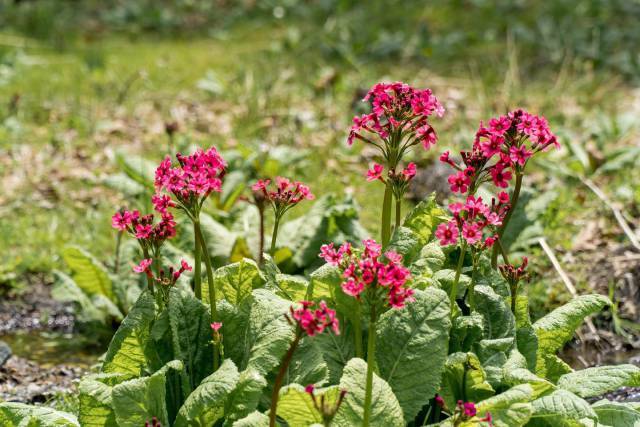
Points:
x=212 y=289
x=261 y=247
x=197 y=268
x=514 y=298
x=145 y=255
x=357 y=330
x=118 y=242
x=514 y=202
x=274 y=237
x=454 y=287
x=398 y=212
x=275 y=394
x=371 y=360
x=472 y=286
x=386 y=215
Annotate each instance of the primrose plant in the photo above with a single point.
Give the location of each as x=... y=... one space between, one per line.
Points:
x=394 y=332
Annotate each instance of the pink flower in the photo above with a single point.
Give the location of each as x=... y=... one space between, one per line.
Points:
x=143 y=231
x=309 y=389
x=475 y=206
x=500 y=176
x=144 y=266
x=287 y=193
x=261 y=185
x=469 y=409
x=428 y=136
x=445 y=158
x=315 y=321
x=216 y=326
x=375 y=172
x=185 y=266
x=471 y=232
x=352 y=287
x=456 y=208
x=503 y=197
x=459 y=182
x=447 y=233
x=161 y=202
x=520 y=154
x=330 y=255
x=439 y=401
x=121 y=220
x=487 y=419
x=371 y=248
x=410 y=171
x=493 y=145
x=500 y=125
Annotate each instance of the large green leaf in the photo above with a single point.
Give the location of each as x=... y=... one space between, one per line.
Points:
x=499 y=322
x=259 y=329
x=205 y=405
x=96 y=409
x=236 y=281
x=307 y=364
x=599 y=380
x=385 y=409
x=464 y=379
x=616 y=414
x=254 y=419
x=508 y=409
x=293 y=288
x=336 y=350
x=190 y=324
x=561 y=407
x=245 y=397
x=518 y=376
x=296 y=407
x=130 y=345
x=88 y=273
x=558 y=327
x=412 y=348
x=138 y=400
x=21 y=415
x=324 y=282
x=466 y=331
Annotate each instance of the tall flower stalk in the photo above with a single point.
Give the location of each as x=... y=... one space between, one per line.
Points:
x=398 y=121
x=309 y=322
x=286 y=195
x=381 y=281
x=189 y=184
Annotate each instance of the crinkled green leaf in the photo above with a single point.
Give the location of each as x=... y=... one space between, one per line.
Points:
x=14 y=414
x=616 y=414
x=254 y=419
x=466 y=331
x=446 y=278
x=130 y=345
x=412 y=348
x=508 y=409
x=95 y=399
x=599 y=380
x=245 y=396
x=385 y=409
x=324 y=281
x=557 y=327
x=205 y=405
x=498 y=319
x=560 y=407
x=293 y=288
x=140 y=399
x=464 y=378
x=88 y=273
x=518 y=376
x=336 y=350
x=236 y=281
x=296 y=407
x=190 y=324
x=258 y=329
x=307 y=364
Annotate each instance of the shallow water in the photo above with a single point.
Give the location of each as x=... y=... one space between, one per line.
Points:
x=52 y=348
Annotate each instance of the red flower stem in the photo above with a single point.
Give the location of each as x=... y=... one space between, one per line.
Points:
x=275 y=394
x=386 y=215
x=507 y=217
x=212 y=288
x=197 y=268
x=371 y=360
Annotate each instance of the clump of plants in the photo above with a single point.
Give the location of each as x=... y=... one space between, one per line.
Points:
x=422 y=327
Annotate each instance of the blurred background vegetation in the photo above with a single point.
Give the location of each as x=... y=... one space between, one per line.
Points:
x=87 y=85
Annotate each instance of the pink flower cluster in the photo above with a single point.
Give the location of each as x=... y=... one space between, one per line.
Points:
x=468 y=410
x=286 y=194
x=154 y=423
x=398 y=106
x=169 y=279
x=406 y=175
x=367 y=271
x=511 y=140
x=314 y=321
x=513 y=274
x=473 y=220
x=142 y=227
x=194 y=177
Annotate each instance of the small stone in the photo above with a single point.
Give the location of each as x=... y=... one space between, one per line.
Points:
x=5 y=353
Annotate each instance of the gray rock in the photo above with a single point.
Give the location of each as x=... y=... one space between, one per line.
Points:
x=5 y=352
